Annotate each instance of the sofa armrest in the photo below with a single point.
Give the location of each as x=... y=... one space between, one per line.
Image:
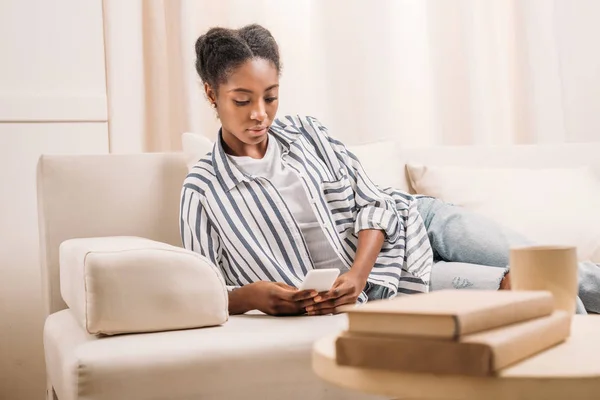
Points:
x=130 y=284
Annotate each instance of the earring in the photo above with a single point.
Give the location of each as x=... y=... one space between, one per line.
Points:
x=214 y=106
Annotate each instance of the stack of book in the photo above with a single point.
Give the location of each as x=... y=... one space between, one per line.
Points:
x=468 y=332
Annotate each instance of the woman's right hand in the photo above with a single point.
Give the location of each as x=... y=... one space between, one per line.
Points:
x=275 y=298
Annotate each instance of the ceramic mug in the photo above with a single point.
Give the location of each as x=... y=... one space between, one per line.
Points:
x=551 y=268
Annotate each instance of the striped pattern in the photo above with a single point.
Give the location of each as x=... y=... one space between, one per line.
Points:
x=241 y=223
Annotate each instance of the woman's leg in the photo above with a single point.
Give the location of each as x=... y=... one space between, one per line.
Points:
x=376 y=292
x=589 y=285
x=458 y=235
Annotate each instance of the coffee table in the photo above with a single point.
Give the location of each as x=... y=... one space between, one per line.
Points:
x=570 y=370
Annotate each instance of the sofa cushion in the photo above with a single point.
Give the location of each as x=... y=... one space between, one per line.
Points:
x=546 y=205
x=250 y=357
x=130 y=284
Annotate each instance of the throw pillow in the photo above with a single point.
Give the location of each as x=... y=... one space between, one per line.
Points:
x=195 y=146
x=549 y=206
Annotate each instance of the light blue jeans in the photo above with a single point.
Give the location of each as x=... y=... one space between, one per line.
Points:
x=472 y=251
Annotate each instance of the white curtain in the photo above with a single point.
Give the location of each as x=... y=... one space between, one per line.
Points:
x=426 y=72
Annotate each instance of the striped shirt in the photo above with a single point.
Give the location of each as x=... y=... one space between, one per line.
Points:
x=242 y=225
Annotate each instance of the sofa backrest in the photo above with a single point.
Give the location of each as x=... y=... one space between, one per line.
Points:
x=385 y=161
x=104 y=195
x=138 y=195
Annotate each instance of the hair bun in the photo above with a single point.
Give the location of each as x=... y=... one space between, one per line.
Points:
x=209 y=41
x=221 y=49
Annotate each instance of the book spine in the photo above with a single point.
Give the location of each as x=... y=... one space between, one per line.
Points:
x=480 y=354
x=413 y=355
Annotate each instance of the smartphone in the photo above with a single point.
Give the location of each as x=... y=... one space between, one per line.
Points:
x=320 y=280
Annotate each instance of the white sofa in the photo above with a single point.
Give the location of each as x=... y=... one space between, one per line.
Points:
x=249 y=356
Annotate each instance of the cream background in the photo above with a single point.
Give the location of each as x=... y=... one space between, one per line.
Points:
x=52 y=100
x=425 y=72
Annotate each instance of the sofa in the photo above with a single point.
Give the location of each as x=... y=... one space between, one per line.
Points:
x=251 y=356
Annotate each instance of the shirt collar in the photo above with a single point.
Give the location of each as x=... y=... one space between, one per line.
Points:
x=228 y=173
x=285 y=131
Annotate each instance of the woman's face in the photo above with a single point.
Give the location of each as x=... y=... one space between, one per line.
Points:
x=247 y=103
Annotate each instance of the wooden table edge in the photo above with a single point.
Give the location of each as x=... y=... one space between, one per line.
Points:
x=506 y=386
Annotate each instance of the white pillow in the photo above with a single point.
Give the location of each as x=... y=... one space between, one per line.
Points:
x=381 y=163
x=549 y=206
x=195 y=146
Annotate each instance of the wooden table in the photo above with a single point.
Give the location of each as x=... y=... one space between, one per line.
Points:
x=569 y=371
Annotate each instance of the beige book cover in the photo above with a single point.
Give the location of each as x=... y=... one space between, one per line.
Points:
x=480 y=354
x=448 y=314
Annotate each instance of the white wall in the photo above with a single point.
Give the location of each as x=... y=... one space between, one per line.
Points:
x=52 y=100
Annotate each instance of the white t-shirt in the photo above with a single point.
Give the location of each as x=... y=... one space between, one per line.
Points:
x=289 y=186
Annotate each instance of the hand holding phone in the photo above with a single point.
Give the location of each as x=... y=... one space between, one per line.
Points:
x=320 y=280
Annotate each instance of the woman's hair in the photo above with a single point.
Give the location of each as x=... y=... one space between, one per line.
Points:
x=221 y=50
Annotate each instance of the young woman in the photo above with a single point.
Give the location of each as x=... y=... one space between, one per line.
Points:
x=279 y=196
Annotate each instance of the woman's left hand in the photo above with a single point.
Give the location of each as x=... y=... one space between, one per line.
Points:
x=345 y=290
